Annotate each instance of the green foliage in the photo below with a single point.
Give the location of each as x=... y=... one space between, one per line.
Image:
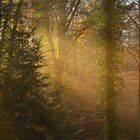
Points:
x=28 y=108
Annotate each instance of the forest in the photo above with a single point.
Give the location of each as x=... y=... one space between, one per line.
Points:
x=69 y=69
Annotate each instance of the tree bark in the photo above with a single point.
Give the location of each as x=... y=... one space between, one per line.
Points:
x=139 y=73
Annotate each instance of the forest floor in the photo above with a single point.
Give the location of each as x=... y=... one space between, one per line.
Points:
x=82 y=93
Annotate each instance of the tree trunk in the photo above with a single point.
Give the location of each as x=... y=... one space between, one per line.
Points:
x=111 y=34
x=15 y=25
x=139 y=73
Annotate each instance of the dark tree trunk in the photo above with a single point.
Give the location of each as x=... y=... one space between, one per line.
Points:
x=139 y=71
x=111 y=34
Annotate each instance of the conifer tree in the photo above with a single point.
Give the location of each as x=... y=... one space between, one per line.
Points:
x=28 y=110
x=23 y=85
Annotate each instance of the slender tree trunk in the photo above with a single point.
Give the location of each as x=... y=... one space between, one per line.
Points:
x=6 y=17
x=60 y=61
x=59 y=71
x=62 y=45
x=75 y=60
x=1 y=7
x=15 y=25
x=139 y=73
